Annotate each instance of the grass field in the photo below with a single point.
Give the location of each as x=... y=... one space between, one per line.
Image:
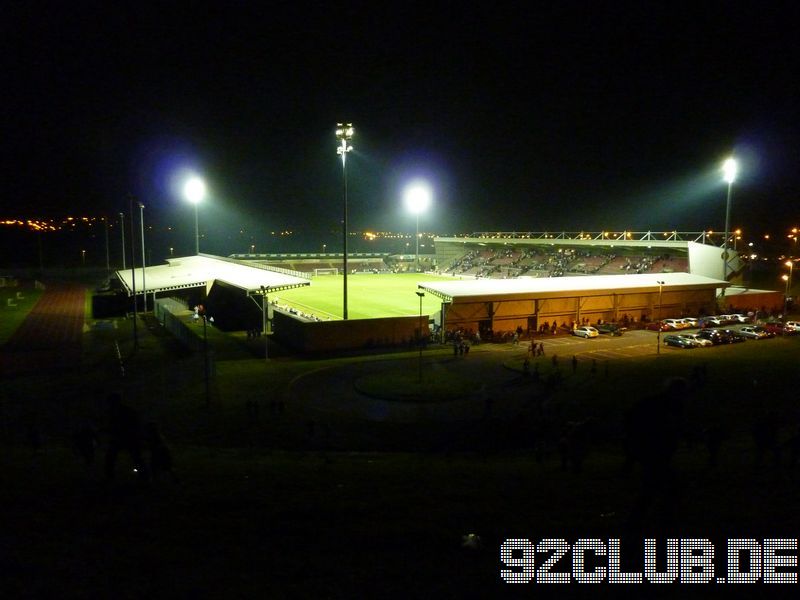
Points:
x=368 y=296
x=15 y=311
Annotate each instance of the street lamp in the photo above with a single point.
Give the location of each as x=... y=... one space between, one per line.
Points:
x=419 y=366
x=344 y=133
x=144 y=264
x=786 y=279
x=264 y=303
x=658 y=322
x=195 y=190
x=729 y=170
x=122 y=230
x=418 y=199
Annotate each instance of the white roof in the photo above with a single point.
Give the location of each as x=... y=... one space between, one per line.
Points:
x=543 y=287
x=199 y=271
x=740 y=291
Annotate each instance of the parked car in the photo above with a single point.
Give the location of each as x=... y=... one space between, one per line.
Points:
x=793 y=326
x=727 y=319
x=740 y=318
x=676 y=323
x=691 y=321
x=657 y=325
x=585 y=331
x=715 y=336
x=734 y=337
x=697 y=339
x=679 y=342
x=711 y=321
x=610 y=328
x=777 y=328
x=754 y=332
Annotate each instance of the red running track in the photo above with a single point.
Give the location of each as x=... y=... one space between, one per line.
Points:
x=50 y=336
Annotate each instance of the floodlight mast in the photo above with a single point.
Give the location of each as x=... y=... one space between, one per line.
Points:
x=344 y=133
x=195 y=191
x=418 y=199
x=729 y=169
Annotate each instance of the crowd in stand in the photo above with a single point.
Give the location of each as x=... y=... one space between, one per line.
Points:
x=504 y=263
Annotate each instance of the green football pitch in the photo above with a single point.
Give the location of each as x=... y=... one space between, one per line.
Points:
x=369 y=296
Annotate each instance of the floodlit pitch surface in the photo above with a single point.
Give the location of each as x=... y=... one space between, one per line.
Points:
x=369 y=295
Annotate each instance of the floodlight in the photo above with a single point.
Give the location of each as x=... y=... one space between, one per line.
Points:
x=418 y=197
x=729 y=170
x=194 y=189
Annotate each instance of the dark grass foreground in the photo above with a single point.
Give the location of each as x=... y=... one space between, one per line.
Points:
x=269 y=505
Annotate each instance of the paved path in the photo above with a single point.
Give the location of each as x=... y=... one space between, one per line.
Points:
x=332 y=390
x=50 y=336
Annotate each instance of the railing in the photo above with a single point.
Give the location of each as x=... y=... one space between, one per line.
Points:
x=700 y=237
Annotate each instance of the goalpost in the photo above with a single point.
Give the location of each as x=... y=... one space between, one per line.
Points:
x=326 y=271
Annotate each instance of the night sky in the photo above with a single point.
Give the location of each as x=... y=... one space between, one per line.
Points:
x=523 y=118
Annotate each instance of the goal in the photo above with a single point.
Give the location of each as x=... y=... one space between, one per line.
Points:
x=326 y=271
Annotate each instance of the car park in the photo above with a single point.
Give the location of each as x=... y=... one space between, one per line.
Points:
x=585 y=331
x=610 y=328
x=679 y=341
x=754 y=332
x=697 y=339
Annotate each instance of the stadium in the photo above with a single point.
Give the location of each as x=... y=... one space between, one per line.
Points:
x=489 y=283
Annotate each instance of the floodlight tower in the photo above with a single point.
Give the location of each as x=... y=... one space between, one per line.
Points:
x=417 y=199
x=195 y=190
x=729 y=170
x=344 y=133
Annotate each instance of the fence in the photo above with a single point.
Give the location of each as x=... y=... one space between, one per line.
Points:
x=167 y=312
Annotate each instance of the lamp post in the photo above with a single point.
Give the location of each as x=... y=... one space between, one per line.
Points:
x=418 y=199
x=133 y=275
x=195 y=190
x=344 y=133
x=785 y=303
x=144 y=263
x=205 y=360
x=264 y=303
x=122 y=230
x=108 y=259
x=729 y=169
x=658 y=322
x=419 y=364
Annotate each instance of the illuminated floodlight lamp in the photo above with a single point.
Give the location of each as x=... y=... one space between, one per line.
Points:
x=194 y=190
x=417 y=197
x=729 y=170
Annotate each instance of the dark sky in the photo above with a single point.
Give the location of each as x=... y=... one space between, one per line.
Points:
x=523 y=117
